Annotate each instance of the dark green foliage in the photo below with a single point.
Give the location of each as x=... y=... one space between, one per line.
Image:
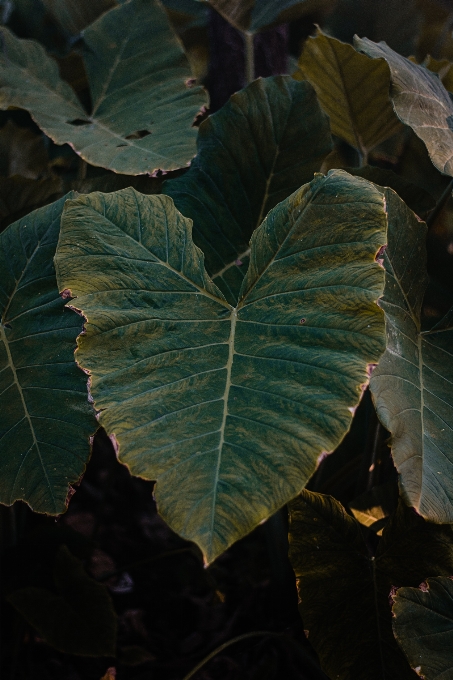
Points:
x=78 y=617
x=233 y=320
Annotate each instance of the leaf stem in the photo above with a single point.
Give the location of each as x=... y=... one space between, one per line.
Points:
x=249 y=58
x=217 y=650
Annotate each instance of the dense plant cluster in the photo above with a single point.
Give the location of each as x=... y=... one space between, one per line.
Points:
x=258 y=285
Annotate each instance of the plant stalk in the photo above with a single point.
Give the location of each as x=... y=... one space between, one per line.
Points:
x=249 y=58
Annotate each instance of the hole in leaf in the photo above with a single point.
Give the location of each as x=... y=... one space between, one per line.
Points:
x=138 y=134
x=118 y=145
x=302 y=321
x=7 y=325
x=79 y=121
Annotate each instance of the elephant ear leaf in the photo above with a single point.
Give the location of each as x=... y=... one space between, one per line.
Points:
x=352 y=89
x=140 y=84
x=261 y=146
x=411 y=385
x=423 y=626
x=45 y=418
x=227 y=407
x=344 y=589
x=420 y=101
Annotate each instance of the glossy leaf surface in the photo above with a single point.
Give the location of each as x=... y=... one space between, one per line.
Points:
x=261 y=146
x=420 y=101
x=352 y=89
x=45 y=419
x=76 y=619
x=344 y=589
x=412 y=385
x=228 y=408
x=423 y=626
x=143 y=110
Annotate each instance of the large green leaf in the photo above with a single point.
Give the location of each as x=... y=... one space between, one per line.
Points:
x=143 y=109
x=260 y=147
x=420 y=101
x=228 y=408
x=45 y=419
x=344 y=589
x=352 y=89
x=412 y=385
x=76 y=619
x=423 y=626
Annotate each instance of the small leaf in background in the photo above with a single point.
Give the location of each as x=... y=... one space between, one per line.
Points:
x=78 y=618
x=373 y=507
x=411 y=386
x=261 y=146
x=45 y=418
x=228 y=408
x=352 y=90
x=142 y=106
x=344 y=590
x=423 y=626
x=420 y=101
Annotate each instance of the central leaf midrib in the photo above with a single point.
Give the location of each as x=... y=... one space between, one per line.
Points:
x=25 y=408
x=229 y=366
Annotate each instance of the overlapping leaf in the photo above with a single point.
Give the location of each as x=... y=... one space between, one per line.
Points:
x=76 y=619
x=412 y=385
x=45 y=419
x=259 y=148
x=143 y=110
x=352 y=89
x=420 y=101
x=344 y=589
x=229 y=408
x=423 y=626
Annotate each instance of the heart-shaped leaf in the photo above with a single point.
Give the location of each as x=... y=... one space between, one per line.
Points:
x=45 y=418
x=227 y=407
x=261 y=146
x=352 y=89
x=143 y=108
x=420 y=101
x=344 y=589
x=78 y=618
x=412 y=385
x=423 y=626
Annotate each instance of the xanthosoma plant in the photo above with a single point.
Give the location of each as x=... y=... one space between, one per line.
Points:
x=231 y=324
x=227 y=407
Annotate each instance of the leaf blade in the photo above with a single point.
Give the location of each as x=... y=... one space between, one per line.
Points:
x=134 y=96
x=268 y=140
x=40 y=385
x=420 y=101
x=351 y=89
x=422 y=615
x=191 y=387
